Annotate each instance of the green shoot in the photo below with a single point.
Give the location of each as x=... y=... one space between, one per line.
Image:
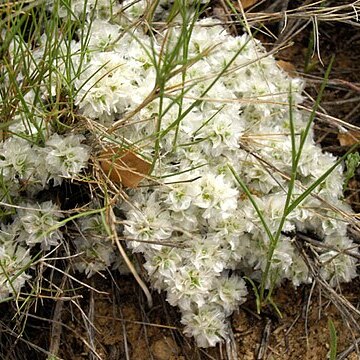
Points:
x=333 y=340
x=352 y=162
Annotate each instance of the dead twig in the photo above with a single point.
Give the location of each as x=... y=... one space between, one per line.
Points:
x=56 y=327
x=112 y=223
x=344 y=354
x=264 y=341
x=346 y=309
x=323 y=245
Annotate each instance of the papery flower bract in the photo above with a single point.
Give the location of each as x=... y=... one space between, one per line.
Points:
x=76 y=8
x=95 y=245
x=217 y=196
x=182 y=192
x=13 y=261
x=103 y=34
x=207 y=325
x=335 y=265
x=162 y=264
x=189 y=286
x=39 y=223
x=18 y=158
x=208 y=254
x=151 y=224
x=229 y=292
x=65 y=156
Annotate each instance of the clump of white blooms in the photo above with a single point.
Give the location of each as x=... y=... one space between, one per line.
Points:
x=65 y=157
x=28 y=167
x=93 y=245
x=31 y=224
x=197 y=230
x=39 y=223
x=14 y=261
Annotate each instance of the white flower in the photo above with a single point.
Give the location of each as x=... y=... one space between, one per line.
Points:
x=22 y=166
x=103 y=34
x=39 y=223
x=299 y=271
x=65 y=156
x=259 y=177
x=13 y=259
x=189 y=287
x=94 y=244
x=223 y=130
x=133 y=10
x=206 y=35
x=182 y=192
x=336 y=265
x=208 y=254
x=152 y=224
x=162 y=264
x=207 y=325
x=217 y=196
x=78 y=8
x=18 y=159
x=229 y=292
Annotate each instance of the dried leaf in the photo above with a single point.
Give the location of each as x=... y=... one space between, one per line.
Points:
x=248 y=3
x=349 y=138
x=124 y=166
x=287 y=66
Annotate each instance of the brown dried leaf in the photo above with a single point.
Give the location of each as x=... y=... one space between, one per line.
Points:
x=124 y=166
x=287 y=66
x=349 y=138
x=248 y=3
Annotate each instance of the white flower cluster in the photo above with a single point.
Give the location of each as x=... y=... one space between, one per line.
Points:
x=78 y=8
x=196 y=230
x=32 y=159
x=93 y=245
x=32 y=224
x=28 y=167
x=14 y=260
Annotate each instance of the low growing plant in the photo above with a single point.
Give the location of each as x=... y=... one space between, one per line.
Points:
x=235 y=172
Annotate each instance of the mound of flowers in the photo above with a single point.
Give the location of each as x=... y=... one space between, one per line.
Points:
x=198 y=105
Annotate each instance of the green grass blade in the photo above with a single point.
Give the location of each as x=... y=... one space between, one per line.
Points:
x=253 y=202
x=333 y=340
x=318 y=181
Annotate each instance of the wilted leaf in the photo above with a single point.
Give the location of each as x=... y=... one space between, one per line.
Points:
x=287 y=66
x=349 y=138
x=248 y=3
x=124 y=166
